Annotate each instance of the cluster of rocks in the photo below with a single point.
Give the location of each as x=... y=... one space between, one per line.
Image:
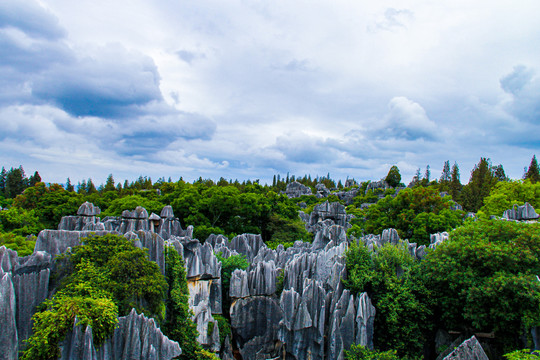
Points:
x=26 y=282
x=521 y=213
x=296 y=189
x=324 y=215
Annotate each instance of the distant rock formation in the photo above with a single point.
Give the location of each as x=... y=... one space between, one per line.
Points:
x=521 y=213
x=296 y=189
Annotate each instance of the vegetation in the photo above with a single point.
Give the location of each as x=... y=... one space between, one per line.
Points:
x=359 y=352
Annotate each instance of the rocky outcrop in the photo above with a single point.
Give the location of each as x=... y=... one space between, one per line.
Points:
x=136 y=337
x=295 y=189
x=255 y=323
x=347 y=196
x=85 y=220
x=247 y=244
x=381 y=185
x=322 y=191
x=468 y=350
x=56 y=242
x=521 y=213
x=151 y=241
x=335 y=212
x=437 y=239
x=199 y=302
x=9 y=344
x=335 y=233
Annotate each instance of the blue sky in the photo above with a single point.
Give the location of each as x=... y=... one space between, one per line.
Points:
x=248 y=89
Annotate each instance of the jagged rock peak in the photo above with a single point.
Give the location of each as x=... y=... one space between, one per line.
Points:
x=468 y=350
x=296 y=189
x=167 y=212
x=154 y=217
x=88 y=209
x=9 y=344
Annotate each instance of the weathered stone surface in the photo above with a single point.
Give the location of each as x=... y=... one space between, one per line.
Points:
x=436 y=239
x=199 y=302
x=8 y=259
x=296 y=189
x=322 y=190
x=167 y=212
x=469 y=350
x=239 y=284
x=255 y=322
x=30 y=290
x=247 y=244
x=138 y=337
x=88 y=209
x=79 y=344
x=201 y=263
x=262 y=278
x=389 y=236
x=335 y=233
x=81 y=223
x=9 y=344
x=58 y=241
x=365 y=319
x=328 y=211
x=347 y=196
x=523 y=212
x=151 y=241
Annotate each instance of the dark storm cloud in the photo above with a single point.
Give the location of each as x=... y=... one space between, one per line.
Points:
x=112 y=83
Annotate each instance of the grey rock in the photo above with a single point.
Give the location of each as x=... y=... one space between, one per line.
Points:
x=437 y=239
x=322 y=190
x=81 y=223
x=58 y=241
x=88 y=209
x=138 y=337
x=365 y=319
x=255 y=321
x=201 y=263
x=247 y=244
x=9 y=344
x=30 y=290
x=520 y=213
x=239 y=284
x=347 y=196
x=79 y=344
x=381 y=184
x=350 y=183
x=8 y=259
x=216 y=297
x=199 y=303
x=36 y=262
x=296 y=189
x=328 y=211
x=469 y=350
x=167 y=212
x=262 y=278
x=227 y=353
x=151 y=241
x=389 y=236
x=335 y=233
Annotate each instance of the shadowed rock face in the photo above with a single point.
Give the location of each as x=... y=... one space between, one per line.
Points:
x=9 y=344
x=468 y=350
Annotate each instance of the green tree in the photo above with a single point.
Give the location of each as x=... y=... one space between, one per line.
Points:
x=388 y=275
x=359 y=352
x=178 y=325
x=16 y=182
x=19 y=221
x=393 y=178
x=483 y=279
x=455 y=183
x=109 y=184
x=533 y=173
x=505 y=194
x=480 y=184
x=133 y=280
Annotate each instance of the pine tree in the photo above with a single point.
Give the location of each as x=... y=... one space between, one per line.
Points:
x=455 y=183
x=3 y=177
x=533 y=173
x=90 y=187
x=34 y=179
x=109 y=184
x=446 y=175
x=479 y=186
x=69 y=186
x=16 y=182
x=393 y=178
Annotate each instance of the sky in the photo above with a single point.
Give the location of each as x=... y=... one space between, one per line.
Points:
x=249 y=89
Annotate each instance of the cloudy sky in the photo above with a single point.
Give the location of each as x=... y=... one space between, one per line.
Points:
x=248 y=89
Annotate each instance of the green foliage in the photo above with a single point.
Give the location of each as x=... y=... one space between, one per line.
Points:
x=389 y=277
x=130 y=202
x=85 y=298
x=280 y=280
x=507 y=193
x=132 y=279
x=393 y=178
x=415 y=213
x=224 y=327
x=524 y=354
x=359 y=352
x=286 y=231
x=19 y=221
x=22 y=245
x=228 y=265
x=533 y=173
x=178 y=325
x=484 y=176
x=205 y=355
x=484 y=279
